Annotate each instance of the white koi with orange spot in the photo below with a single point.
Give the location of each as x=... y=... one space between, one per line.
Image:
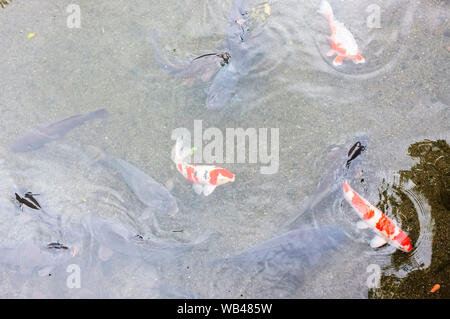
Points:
x=386 y=229
x=342 y=41
x=205 y=178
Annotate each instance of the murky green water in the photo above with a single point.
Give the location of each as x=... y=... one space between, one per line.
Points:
x=399 y=98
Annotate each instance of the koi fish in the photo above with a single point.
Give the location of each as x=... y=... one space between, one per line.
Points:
x=386 y=229
x=342 y=41
x=205 y=178
x=42 y=135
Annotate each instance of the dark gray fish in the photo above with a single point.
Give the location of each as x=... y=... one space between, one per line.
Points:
x=285 y=262
x=56 y=246
x=223 y=87
x=28 y=200
x=42 y=135
x=226 y=80
x=345 y=166
x=203 y=67
x=149 y=191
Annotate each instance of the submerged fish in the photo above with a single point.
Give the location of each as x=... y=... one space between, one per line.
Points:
x=342 y=41
x=386 y=229
x=28 y=200
x=343 y=167
x=238 y=30
x=205 y=178
x=149 y=191
x=29 y=256
x=285 y=262
x=201 y=68
x=42 y=135
x=122 y=239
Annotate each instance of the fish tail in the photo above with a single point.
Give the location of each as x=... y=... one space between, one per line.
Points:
x=325 y=9
x=98 y=114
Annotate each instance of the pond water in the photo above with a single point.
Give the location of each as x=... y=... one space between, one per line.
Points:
x=130 y=225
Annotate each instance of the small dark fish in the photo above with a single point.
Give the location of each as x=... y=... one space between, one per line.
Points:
x=42 y=135
x=28 y=200
x=56 y=246
x=354 y=152
x=238 y=28
x=224 y=57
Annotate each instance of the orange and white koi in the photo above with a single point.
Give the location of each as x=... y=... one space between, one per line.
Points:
x=386 y=229
x=205 y=178
x=342 y=41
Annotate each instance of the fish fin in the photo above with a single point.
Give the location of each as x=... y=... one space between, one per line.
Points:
x=362 y=225
x=331 y=53
x=198 y=188
x=97 y=114
x=338 y=60
x=208 y=189
x=377 y=241
x=359 y=59
x=325 y=9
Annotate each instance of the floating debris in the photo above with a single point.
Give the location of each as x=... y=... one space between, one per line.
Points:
x=435 y=288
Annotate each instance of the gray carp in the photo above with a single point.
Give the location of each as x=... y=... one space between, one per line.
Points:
x=203 y=67
x=41 y=135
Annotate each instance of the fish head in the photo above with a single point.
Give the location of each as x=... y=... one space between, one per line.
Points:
x=402 y=242
x=221 y=176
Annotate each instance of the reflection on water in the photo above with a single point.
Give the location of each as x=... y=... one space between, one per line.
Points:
x=110 y=193
x=421 y=203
